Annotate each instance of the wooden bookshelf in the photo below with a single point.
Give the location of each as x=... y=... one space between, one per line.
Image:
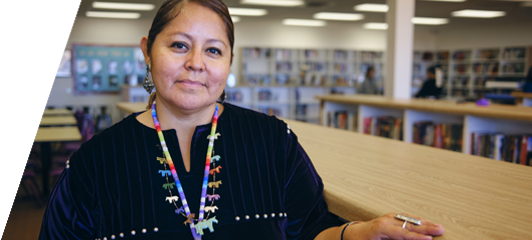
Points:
x=467 y=71
x=365 y=177
x=494 y=118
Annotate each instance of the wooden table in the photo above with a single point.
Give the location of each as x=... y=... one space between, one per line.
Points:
x=54 y=120
x=367 y=176
x=46 y=135
x=58 y=111
x=523 y=98
x=131 y=107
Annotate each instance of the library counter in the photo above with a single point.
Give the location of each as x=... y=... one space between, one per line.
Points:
x=368 y=176
x=438 y=106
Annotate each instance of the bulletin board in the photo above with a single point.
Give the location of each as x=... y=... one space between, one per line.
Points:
x=102 y=69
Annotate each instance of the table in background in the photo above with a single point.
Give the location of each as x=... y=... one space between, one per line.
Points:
x=131 y=107
x=58 y=111
x=54 y=120
x=47 y=135
x=368 y=176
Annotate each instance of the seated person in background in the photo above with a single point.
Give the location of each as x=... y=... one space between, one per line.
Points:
x=527 y=87
x=369 y=85
x=430 y=88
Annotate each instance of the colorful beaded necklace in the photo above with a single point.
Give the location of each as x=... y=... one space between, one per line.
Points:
x=212 y=136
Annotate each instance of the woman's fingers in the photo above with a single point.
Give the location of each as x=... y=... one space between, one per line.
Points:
x=426 y=228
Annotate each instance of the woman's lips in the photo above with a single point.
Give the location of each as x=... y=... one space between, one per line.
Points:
x=190 y=82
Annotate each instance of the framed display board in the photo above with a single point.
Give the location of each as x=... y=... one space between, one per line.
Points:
x=100 y=69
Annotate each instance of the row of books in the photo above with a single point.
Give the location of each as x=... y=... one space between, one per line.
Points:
x=503 y=147
x=388 y=126
x=514 y=53
x=438 y=135
x=487 y=54
x=343 y=120
x=256 y=53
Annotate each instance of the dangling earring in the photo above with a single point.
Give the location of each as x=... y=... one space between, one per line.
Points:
x=148 y=80
x=222 y=97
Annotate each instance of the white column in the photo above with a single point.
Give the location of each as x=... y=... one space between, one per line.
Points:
x=399 y=51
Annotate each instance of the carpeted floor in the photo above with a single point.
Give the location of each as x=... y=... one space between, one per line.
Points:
x=25 y=218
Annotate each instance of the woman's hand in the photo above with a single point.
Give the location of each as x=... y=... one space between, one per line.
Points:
x=389 y=227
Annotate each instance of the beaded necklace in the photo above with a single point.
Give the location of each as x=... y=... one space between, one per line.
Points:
x=190 y=216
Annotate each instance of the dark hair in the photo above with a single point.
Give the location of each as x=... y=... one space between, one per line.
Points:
x=432 y=70
x=370 y=68
x=171 y=8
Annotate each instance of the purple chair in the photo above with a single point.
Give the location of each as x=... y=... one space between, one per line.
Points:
x=29 y=183
x=26 y=178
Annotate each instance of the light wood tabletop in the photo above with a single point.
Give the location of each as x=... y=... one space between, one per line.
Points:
x=57 y=134
x=368 y=176
x=131 y=107
x=58 y=111
x=438 y=106
x=57 y=120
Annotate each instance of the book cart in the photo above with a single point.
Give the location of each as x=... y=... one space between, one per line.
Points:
x=482 y=131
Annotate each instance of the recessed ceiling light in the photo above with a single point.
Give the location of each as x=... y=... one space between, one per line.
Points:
x=371 y=7
x=124 y=6
x=282 y=3
x=12 y=10
x=11 y=1
x=429 y=21
x=375 y=25
x=247 y=11
x=235 y=19
x=304 y=22
x=478 y=13
x=126 y=15
x=339 y=16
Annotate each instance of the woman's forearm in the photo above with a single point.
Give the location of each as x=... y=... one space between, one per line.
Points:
x=352 y=232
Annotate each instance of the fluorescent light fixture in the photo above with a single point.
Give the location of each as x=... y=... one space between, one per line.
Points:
x=375 y=26
x=11 y=1
x=478 y=13
x=12 y=10
x=235 y=19
x=446 y=0
x=304 y=22
x=124 y=6
x=371 y=7
x=281 y=3
x=247 y=11
x=126 y=15
x=429 y=21
x=339 y=16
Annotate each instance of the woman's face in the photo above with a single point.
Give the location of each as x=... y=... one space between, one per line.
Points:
x=190 y=58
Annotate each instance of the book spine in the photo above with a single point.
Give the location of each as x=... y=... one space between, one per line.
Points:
x=524 y=150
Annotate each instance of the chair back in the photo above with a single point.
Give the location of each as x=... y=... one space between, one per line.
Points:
x=87 y=130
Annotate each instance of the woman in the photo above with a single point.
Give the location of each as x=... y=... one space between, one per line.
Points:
x=369 y=85
x=147 y=177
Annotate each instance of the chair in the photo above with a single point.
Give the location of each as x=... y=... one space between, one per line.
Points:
x=26 y=178
x=87 y=131
x=29 y=183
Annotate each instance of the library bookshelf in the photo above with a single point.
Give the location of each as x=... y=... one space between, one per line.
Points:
x=470 y=72
x=284 y=81
x=472 y=120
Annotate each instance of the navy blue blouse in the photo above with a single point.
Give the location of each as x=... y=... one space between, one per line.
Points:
x=112 y=187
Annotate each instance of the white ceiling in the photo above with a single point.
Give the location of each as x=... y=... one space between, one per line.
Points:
x=515 y=12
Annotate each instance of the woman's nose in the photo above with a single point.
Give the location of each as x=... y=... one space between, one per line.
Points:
x=195 y=60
